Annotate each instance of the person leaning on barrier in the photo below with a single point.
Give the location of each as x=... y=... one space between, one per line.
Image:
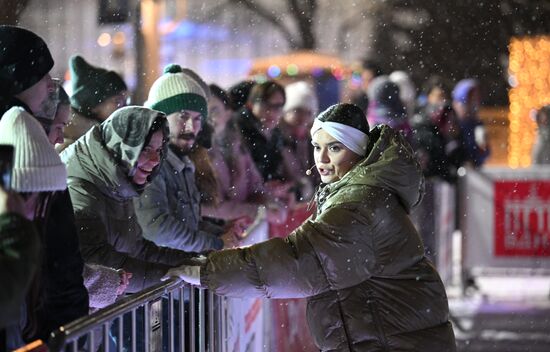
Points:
x=358 y=260
x=108 y=167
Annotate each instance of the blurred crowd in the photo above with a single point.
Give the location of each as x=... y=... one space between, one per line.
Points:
x=105 y=198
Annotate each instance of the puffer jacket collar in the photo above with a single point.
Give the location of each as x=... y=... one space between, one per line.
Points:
x=389 y=164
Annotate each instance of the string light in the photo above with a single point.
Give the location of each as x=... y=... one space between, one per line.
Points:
x=530 y=73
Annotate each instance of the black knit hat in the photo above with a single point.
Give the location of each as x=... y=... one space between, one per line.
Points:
x=92 y=85
x=24 y=60
x=347 y=114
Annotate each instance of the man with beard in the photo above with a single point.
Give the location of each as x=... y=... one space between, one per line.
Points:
x=169 y=210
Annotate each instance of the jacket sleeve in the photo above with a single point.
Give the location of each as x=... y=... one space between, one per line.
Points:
x=320 y=255
x=90 y=217
x=19 y=258
x=161 y=227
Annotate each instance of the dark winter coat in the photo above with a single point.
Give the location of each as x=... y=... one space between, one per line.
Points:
x=20 y=253
x=359 y=261
x=265 y=153
x=102 y=195
x=65 y=297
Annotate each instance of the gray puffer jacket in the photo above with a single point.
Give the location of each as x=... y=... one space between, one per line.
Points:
x=359 y=261
x=98 y=166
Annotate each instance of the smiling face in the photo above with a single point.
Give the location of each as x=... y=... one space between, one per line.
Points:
x=148 y=159
x=332 y=159
x=184 y=127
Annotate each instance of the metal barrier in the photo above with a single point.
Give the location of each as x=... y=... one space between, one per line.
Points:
x=163 y=327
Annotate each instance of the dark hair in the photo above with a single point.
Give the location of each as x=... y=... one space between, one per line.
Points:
x=263 y=91
x=238 y=94
x=221 y=94
x=373 y=66
x=347 y=114
x=433 y=82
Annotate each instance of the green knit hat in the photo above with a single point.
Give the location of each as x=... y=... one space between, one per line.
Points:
x=92 y=85
x=178 y=89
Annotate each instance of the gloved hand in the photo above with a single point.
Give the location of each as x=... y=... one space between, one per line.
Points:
x=187 y=273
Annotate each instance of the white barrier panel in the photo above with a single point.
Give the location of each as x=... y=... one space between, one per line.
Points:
x=505 y=219
x=246 y=318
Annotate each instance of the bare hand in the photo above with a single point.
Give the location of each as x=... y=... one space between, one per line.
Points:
x=11 y=202
x=124 y=282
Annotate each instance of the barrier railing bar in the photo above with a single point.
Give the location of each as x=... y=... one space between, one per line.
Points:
x=182 y=318
x=106 y=337
x=147 y=335
x=134 y=337
x=192 y=342
x=120 y=334
x=171 y=321
x=211 y=319
x=84 y=324
x=202 y=322
x=92 y=339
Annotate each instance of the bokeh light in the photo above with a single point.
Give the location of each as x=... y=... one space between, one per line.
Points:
x=529 y=69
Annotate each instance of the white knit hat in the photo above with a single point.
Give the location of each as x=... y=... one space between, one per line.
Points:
x=37 y=167
x=178 y=89
x=300 y=95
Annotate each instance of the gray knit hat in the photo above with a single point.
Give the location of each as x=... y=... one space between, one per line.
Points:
x=178 y=89
x=36 y=167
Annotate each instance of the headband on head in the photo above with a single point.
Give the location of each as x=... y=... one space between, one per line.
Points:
x=354 y=139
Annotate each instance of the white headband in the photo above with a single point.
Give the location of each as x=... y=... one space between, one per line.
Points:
x=352 y=138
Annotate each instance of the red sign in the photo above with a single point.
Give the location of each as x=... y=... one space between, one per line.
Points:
x=522 y=218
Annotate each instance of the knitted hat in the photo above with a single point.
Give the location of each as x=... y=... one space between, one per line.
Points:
x=24 y=60
x=384 y=98
x=92 y=85
x=463 y=88
x=178 y=89
x=37 y=167
x=300 y=95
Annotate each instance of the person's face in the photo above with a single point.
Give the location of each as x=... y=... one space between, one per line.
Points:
x=109 y=105
x=270 y=111
x=35 y=95
x=218 y=113
x=184 y=127
x=437 y=96
x=59 y=123
x=148 y=159
x=300 y=120
x=332 y=159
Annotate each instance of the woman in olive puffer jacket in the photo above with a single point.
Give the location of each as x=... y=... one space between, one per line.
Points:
x=359 y=259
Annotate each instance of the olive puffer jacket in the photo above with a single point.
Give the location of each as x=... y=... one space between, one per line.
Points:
x=359 y=261
x=102 y=196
